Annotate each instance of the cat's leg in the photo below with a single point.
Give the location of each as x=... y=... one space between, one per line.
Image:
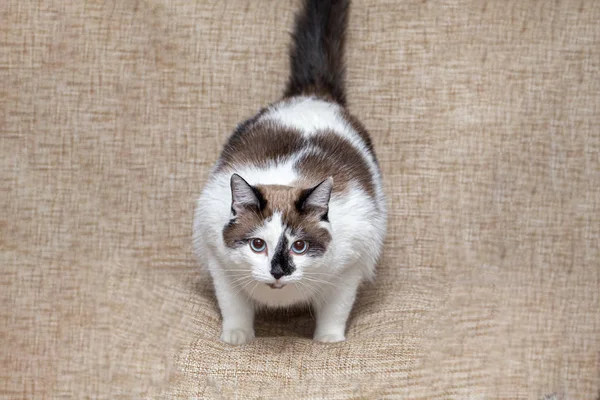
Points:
x=333 y=309
x=236 y=309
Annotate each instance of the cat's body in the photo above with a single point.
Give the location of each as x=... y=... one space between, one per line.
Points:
x=294 y=211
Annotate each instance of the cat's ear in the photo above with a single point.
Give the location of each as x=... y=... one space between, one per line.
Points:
x=244 y=196
x=316 y=199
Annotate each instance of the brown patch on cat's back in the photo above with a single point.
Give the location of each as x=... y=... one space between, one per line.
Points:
x=360 y=130
x=338 y=158
x=257 y=143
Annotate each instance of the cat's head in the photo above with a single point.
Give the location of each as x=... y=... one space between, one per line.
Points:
x=278 y=233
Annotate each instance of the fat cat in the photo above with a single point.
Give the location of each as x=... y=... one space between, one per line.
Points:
x=294 y=210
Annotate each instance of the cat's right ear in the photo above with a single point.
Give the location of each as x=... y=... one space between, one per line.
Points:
x=244 y=196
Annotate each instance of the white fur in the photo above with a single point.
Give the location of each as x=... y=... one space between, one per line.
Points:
x=329 y=283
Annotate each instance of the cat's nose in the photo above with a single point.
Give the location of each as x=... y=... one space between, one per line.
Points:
x=277 y=274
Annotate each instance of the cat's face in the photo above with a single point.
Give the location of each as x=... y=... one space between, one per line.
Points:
x=277 y=234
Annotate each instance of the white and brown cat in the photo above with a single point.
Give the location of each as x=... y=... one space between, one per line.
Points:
x=294 y=211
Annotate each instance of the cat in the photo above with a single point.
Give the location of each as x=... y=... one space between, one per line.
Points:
x=294 y=210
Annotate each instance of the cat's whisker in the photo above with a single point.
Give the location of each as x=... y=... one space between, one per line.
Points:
x=331 y=274
x=317 y=291
x=300 y=287
x=307 y=295
x=333 y=280
x=318 y=281
x=242 y=286
x=240 y=278
x=336 y=284
x=234 y=274
x=237 y=271
x=252 y=291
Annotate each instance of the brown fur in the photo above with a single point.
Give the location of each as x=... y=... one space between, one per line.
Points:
x=281 y=199
x=339 y=159
x=263 y=142
x=258 y=144
x=237 y=232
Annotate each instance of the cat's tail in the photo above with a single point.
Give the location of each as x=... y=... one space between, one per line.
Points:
x=317 y=51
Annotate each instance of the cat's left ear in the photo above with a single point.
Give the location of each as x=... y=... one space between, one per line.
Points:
x=244 y=196
x=316 y=199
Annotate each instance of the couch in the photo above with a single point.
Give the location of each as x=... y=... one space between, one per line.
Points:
x=486 y=120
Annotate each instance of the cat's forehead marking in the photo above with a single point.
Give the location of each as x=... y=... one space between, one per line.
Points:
x=279 y=198
x=307 y=227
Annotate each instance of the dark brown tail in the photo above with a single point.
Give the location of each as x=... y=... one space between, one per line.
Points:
x=317 y=51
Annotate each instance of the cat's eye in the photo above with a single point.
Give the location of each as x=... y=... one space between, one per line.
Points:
x=300 y=247
x=258 y=245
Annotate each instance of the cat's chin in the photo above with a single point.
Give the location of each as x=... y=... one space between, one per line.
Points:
x=276 y=285
x=277 y=295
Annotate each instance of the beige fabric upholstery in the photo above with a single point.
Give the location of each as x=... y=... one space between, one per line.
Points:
x=486 y=119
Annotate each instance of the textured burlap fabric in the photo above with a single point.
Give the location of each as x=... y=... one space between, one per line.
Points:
x=486 y=119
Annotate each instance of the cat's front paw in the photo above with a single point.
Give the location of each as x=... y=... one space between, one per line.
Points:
x=329 y=337
x=237 y=336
